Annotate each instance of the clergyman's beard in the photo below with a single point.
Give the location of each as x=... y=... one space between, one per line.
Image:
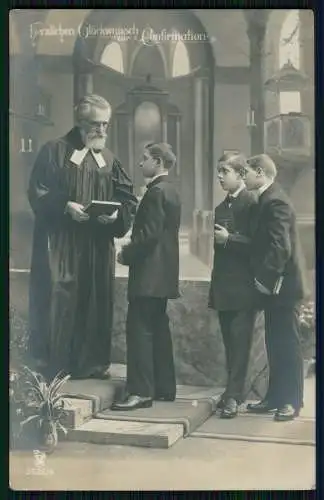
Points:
x=95 y=141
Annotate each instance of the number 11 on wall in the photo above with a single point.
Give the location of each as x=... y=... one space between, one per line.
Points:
x=23 y=146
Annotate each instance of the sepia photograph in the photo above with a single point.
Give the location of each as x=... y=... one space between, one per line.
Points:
x=162 y=267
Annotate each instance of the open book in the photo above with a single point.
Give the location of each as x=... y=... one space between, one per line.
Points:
x=96 y=208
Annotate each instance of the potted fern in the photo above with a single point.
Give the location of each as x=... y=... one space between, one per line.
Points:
x=308 y=336
x=44 y=407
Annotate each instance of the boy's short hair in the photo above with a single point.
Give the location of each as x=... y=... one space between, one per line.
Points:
x=237 y=161
x=264 y=162
x=162 y=151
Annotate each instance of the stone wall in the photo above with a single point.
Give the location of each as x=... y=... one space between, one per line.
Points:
x=198 y=347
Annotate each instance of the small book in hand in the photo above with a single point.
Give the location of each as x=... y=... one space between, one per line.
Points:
x=96 y=208
x=224 y=222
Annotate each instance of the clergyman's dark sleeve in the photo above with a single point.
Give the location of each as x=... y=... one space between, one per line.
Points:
x=123 y=192
x=46 y=195
x=148 y=236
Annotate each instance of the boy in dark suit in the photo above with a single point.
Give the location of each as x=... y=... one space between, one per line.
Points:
x=232 y=291
x=153 y=260
x=278 y=268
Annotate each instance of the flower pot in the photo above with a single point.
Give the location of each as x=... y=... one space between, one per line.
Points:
x=48 y=438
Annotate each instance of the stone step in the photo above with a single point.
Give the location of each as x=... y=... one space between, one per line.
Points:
x=78 y=411
x=100 y=393
x=126 y=433
x=84 y=399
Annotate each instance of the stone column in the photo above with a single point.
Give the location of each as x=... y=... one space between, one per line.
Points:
x=131 y=145
x=83 y=84
x=88 y=83
x=178 y=145
x=164 y=128
x=307 y=65
x=256 y=21
x=114 y=127
x=198 y=143
x=207 y=170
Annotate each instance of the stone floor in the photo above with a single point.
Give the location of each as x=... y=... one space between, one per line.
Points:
x=192 y=463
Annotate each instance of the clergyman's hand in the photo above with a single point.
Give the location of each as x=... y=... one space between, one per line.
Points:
x=220 y=234
x=108 y=219
x=76 y=211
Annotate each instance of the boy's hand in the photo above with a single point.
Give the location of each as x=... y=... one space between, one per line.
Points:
x=107 y=219
x=220 y=234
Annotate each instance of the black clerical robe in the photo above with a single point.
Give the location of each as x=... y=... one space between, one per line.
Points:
x=73 y=263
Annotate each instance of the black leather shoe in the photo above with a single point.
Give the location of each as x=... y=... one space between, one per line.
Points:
x=286 y=413
x=230 y=409
x=261 y=407
x=132 y=403
x=221 y=403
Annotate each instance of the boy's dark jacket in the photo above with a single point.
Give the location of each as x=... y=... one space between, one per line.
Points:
x=275 y=248
x=232 y=284
x=153 y=253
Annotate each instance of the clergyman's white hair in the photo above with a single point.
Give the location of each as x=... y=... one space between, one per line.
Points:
x=87 y=103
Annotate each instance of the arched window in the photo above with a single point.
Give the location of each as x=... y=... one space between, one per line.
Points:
x=112 y=57
x=289 y=50
x=181 y=62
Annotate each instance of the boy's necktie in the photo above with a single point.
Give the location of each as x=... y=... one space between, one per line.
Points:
x=230 y=199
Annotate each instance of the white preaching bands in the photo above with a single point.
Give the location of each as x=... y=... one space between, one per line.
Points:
x=79 y=155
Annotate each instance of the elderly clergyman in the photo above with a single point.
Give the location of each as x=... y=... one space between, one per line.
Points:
x=73 y=260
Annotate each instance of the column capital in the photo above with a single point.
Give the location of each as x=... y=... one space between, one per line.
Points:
x=202 y=74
